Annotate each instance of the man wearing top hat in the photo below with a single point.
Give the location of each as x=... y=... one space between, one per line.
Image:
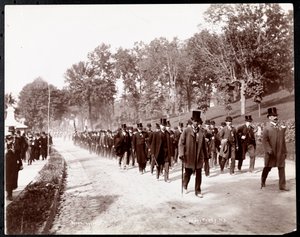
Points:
x=172 y=145
x=148 y=141
x=208 y=136
x=273 y=141
x=228 y=136
x=192 y=151
x=139 y=147
x=12 y=164
x=160 y=149
x=246 y=143
x=123 y=145
x=214 y=144
x=153 y=159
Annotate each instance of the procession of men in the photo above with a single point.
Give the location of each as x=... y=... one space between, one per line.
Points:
x=199 y=145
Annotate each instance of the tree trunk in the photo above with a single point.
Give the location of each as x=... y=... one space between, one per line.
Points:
x=90 y=113
x=243 y=99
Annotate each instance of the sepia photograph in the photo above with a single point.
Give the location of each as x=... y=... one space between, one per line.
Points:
x=149 y=119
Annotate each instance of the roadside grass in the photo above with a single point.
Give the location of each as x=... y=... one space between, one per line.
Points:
x=31 y=209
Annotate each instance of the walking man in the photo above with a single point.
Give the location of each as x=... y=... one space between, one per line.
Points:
x=273 y=141
x=192 y=151
x=246 y=141
x=229 y=139
x=160 y=149
x=123 y=145
x=139 y=147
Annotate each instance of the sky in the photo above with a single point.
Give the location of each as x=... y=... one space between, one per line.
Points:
x=45 y=40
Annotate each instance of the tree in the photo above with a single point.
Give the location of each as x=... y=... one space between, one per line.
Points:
x=92 y=83
x=126 y=69
x=257 y=38
x=33 y=104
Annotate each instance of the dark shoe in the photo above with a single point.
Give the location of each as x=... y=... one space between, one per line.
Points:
x=262 y=185
x=284 y=189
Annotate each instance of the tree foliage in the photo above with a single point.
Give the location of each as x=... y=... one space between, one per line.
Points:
x=33 y=104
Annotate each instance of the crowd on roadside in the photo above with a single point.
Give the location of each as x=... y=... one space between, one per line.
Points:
x=23 y=148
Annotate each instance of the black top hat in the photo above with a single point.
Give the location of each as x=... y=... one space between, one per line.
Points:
x=168 y=124
x=196 y=116
x=139 y=125
x=149 y=125
x=207 y=122
x=228 y=119
x=212 y=122
x=272 y=112
x=248 y=118
x=163 y=122
x=181 y=125
x=123 y=125
x=11 y=129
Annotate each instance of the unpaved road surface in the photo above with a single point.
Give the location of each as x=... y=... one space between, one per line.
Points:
x=100 y=198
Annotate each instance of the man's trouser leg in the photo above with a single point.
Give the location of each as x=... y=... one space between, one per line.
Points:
x=186 y=177
x=264 y=175
x=222 y=162
x=206 y=166
x=240 y=164
x=166 y=174
x=251 y=151
x=282 y=181
x=232 y=154
x=198 y=181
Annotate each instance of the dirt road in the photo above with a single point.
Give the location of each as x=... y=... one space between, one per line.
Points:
x=102 y=199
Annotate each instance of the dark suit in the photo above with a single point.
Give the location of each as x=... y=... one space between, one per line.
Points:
x=140 y=149
x=161 y=152
x=123 y=145
x=231 y=136
x=247 y=144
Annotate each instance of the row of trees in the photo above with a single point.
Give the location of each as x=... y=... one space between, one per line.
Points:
x=249 y=56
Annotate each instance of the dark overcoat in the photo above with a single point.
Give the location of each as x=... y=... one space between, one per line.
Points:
x=273 y=141
x=215 y=140
x=243 y=144
x=123 y=143
x=12 y=170
x=156 y=146
x=139 y=145
x=193 y=148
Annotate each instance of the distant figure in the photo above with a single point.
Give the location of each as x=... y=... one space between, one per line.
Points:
x=273 y=141
x=259 y=133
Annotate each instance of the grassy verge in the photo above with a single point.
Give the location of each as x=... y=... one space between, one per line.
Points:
x=31 y=209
